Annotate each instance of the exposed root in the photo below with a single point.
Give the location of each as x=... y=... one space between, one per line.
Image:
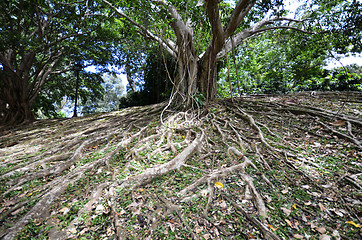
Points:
x=145 y=177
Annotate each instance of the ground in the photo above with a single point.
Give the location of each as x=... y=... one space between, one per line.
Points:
x=256 y=167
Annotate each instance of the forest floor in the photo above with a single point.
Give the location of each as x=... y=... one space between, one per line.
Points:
x=257 y=167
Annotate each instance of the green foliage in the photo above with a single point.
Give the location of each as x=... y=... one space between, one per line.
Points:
x=109 y=101
x=335 y=80
x=156 y=86
x=283 y=62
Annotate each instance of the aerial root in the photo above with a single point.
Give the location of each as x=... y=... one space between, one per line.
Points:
x=258 y=201
x=159 y=170
x=57 y=187
x=269 y=235
x=342 y=135
x=150 y=174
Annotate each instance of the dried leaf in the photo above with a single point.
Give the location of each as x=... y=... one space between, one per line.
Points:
x=219 y=185
x=321 y=230
x=272 y=228
x=298 y=236
x=354 y=224
x=206 y=236
x=338 y=123
x=204 y=192
x=73 y=230
x=285 y=191
x=17 y=211
x=64 y=210
x=198 y=230
x=324 y=237
x=289 y=223
x=321 y=207
x=286 y=211
x=223 y=205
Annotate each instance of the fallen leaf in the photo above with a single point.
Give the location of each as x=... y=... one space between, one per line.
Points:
x=219 y=185
x=100 y=208
x=324 y=237
x=338 y=123
x=17 y=211
x=72 y=230
x=251 y=236
x=354 y=224
x=223 y=205
x=321 y=207
x=289 y=222
x=321 y=230
x=64 y=210
x=204 y=192
x=298 y=236
x=198 y=230
x=206 y=236
x=272 y=228
x=285 y=191
x=286 y=211
x=294 y=206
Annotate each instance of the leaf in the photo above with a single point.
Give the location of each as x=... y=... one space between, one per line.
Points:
x=289 y=223
x=198 y=230
x=321 y=207
x=206 y=236
x=298 y=236
x=272 y=228
x=285 y=191
x=18 y=211
x=294 y=206
x=286 y=211
x=321 y=230
x=219 y=185
x=354 y=224
x=223 y=205
x=324 y=237
x=338 y=123
x=64 y=210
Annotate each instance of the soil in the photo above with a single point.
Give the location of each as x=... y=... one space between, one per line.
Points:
x=255 y=167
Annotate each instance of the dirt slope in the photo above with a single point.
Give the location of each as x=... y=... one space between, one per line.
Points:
x=261 y=167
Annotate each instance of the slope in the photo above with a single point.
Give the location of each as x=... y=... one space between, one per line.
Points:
x=264 y=166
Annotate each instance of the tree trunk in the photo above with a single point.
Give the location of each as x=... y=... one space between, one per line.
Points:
x=15 y=97
x=129 y=78
x=207 y=75
x=15 y=108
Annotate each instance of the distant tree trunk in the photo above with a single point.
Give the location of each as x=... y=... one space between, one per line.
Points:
x=75 y=114
x=131 y=82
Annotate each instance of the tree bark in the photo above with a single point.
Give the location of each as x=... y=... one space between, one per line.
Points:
x=16 y=105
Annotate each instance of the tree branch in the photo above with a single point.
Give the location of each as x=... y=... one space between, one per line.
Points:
x=212 y=8
x=240 y=11
x=257 y=29
x=171 y=48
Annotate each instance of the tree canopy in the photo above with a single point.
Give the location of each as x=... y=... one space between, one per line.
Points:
x=42 y=41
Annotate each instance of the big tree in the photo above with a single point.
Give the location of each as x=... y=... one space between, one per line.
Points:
x=199 y=34
x=41 y=39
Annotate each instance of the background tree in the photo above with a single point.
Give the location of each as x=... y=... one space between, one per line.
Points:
x=158 y=73
x=199 y=35
x=40 y=40
x=113 y=91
